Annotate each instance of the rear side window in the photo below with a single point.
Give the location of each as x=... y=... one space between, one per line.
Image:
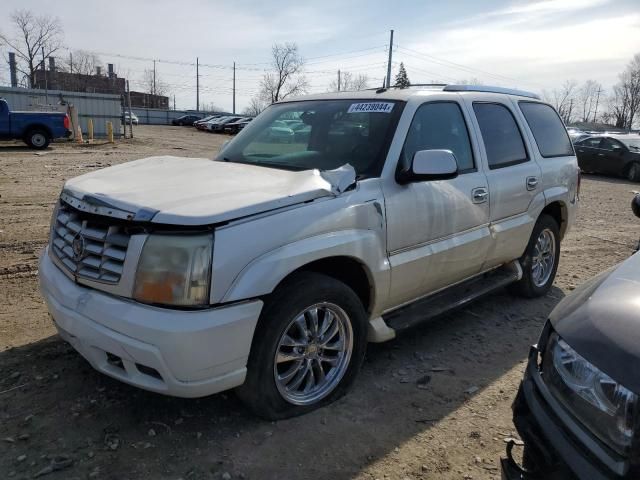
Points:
x=547 y=129
x=439 y=125
x=501 y=135
x=593 y=142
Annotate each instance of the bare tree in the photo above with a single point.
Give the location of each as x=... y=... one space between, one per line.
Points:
x=564 y=99
x=36 y=38
x=210 y=107
x=588 y=96
x=153 y=84
x=287 y=76
x=350 y=83
x=256 y=105
x=625 y=102
x=82 y=62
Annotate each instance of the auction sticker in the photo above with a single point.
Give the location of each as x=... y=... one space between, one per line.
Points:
x=371 y=107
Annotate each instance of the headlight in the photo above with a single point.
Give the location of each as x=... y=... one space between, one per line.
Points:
x=604 y=406
x=175 y=270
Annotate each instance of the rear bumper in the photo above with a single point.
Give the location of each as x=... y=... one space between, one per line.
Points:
x=556 y=443
x=173 y=352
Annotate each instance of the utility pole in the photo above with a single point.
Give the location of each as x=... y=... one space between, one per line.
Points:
x=389 y=62
x=174 y=103
x=595 y=113
x=338 y=80
x=154 y=80
x=71 y=63
x=234 y=88
x=197 y=84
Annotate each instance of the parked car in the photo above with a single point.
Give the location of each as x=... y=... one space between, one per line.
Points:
x=577 y=408
x=235 y=127
x=129 y=118
x=36 y=129
x=208 y=124
x=200 y=124
x=185 y=120
x=269 y=268
x=204 y=120
x=612 y=155
x=218 y=126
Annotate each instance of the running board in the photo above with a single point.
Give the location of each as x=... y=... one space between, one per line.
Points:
x=453 y=298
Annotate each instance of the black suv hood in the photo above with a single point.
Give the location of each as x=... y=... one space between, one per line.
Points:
x=601 y=321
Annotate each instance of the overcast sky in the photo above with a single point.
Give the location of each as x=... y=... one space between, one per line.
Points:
x=527 y=44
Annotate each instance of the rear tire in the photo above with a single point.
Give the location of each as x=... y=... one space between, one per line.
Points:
x=633 y=172
x=307 y=349
x=38 y=139
x=540 y=260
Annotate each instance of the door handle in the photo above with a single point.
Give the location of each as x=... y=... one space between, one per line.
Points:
x=479 y=195
x=532 y=183
x=601 y=154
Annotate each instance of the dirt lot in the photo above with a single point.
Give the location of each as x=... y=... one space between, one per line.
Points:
x=55 y=410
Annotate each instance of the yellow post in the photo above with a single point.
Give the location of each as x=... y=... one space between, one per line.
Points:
x=110 y=132
x=79 y=135
x=90 y=128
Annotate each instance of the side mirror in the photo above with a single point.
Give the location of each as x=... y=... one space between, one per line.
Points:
x=635 y=204
x=430 y=165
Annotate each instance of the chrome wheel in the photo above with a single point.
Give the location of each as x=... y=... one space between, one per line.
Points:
x=38 y=139
x=313 y=354
x=544 y=257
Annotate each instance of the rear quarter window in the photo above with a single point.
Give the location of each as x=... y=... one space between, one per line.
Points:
x=547 y=128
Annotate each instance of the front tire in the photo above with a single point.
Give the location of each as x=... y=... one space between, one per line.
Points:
x=633 y=172
x=38 y=139
x=540 y=260
x=307 y=349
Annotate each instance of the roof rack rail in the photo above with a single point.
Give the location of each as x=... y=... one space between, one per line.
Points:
x=490 y=89
x=412 y=85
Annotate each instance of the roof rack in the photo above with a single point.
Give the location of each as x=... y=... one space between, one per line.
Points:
x=489 y=89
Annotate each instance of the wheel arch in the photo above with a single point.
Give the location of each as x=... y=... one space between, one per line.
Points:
x=37 y=126
x=558 y=211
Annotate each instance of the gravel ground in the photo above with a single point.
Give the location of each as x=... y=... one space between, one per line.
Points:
x=60 y=418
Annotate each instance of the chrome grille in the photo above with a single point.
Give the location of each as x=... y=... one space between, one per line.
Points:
x=101 y=247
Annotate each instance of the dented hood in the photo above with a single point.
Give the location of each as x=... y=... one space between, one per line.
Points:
x=199 y=191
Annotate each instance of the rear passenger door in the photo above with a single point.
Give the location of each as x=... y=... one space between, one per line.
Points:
x=513 y=178
x=587 y=151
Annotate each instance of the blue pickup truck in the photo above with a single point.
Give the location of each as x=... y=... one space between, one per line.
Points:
x=36 y=129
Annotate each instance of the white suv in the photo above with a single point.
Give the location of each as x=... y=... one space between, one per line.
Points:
x=270 y=267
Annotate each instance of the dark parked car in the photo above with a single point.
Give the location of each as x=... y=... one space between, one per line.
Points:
x=185 y=120
x=235 y=127
x=613 y=155
x=219 y=126
x=36 y=129
x=577 y=408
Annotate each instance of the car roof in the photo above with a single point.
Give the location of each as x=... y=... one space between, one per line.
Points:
x=404 y=94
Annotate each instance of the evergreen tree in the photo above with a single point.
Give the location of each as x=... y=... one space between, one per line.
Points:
x=402 y=80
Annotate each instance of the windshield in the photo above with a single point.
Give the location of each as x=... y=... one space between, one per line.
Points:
x=318 y=134
x=632 y=144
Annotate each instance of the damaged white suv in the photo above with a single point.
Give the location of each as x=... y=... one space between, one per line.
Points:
x=329 y=221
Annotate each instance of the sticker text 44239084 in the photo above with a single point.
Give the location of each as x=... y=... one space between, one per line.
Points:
x=371 y=107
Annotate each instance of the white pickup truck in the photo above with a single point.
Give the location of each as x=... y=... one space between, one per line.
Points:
x=329 y=221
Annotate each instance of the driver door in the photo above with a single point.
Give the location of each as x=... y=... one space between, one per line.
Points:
x=437 y=231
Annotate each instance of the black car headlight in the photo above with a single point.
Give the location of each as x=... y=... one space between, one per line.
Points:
x=601 y=404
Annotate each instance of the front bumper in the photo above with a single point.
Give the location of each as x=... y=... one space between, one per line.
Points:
x=558 y=445
x=173 y=352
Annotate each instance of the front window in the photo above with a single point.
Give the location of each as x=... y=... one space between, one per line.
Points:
x=631 y=143
x=320 y=135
